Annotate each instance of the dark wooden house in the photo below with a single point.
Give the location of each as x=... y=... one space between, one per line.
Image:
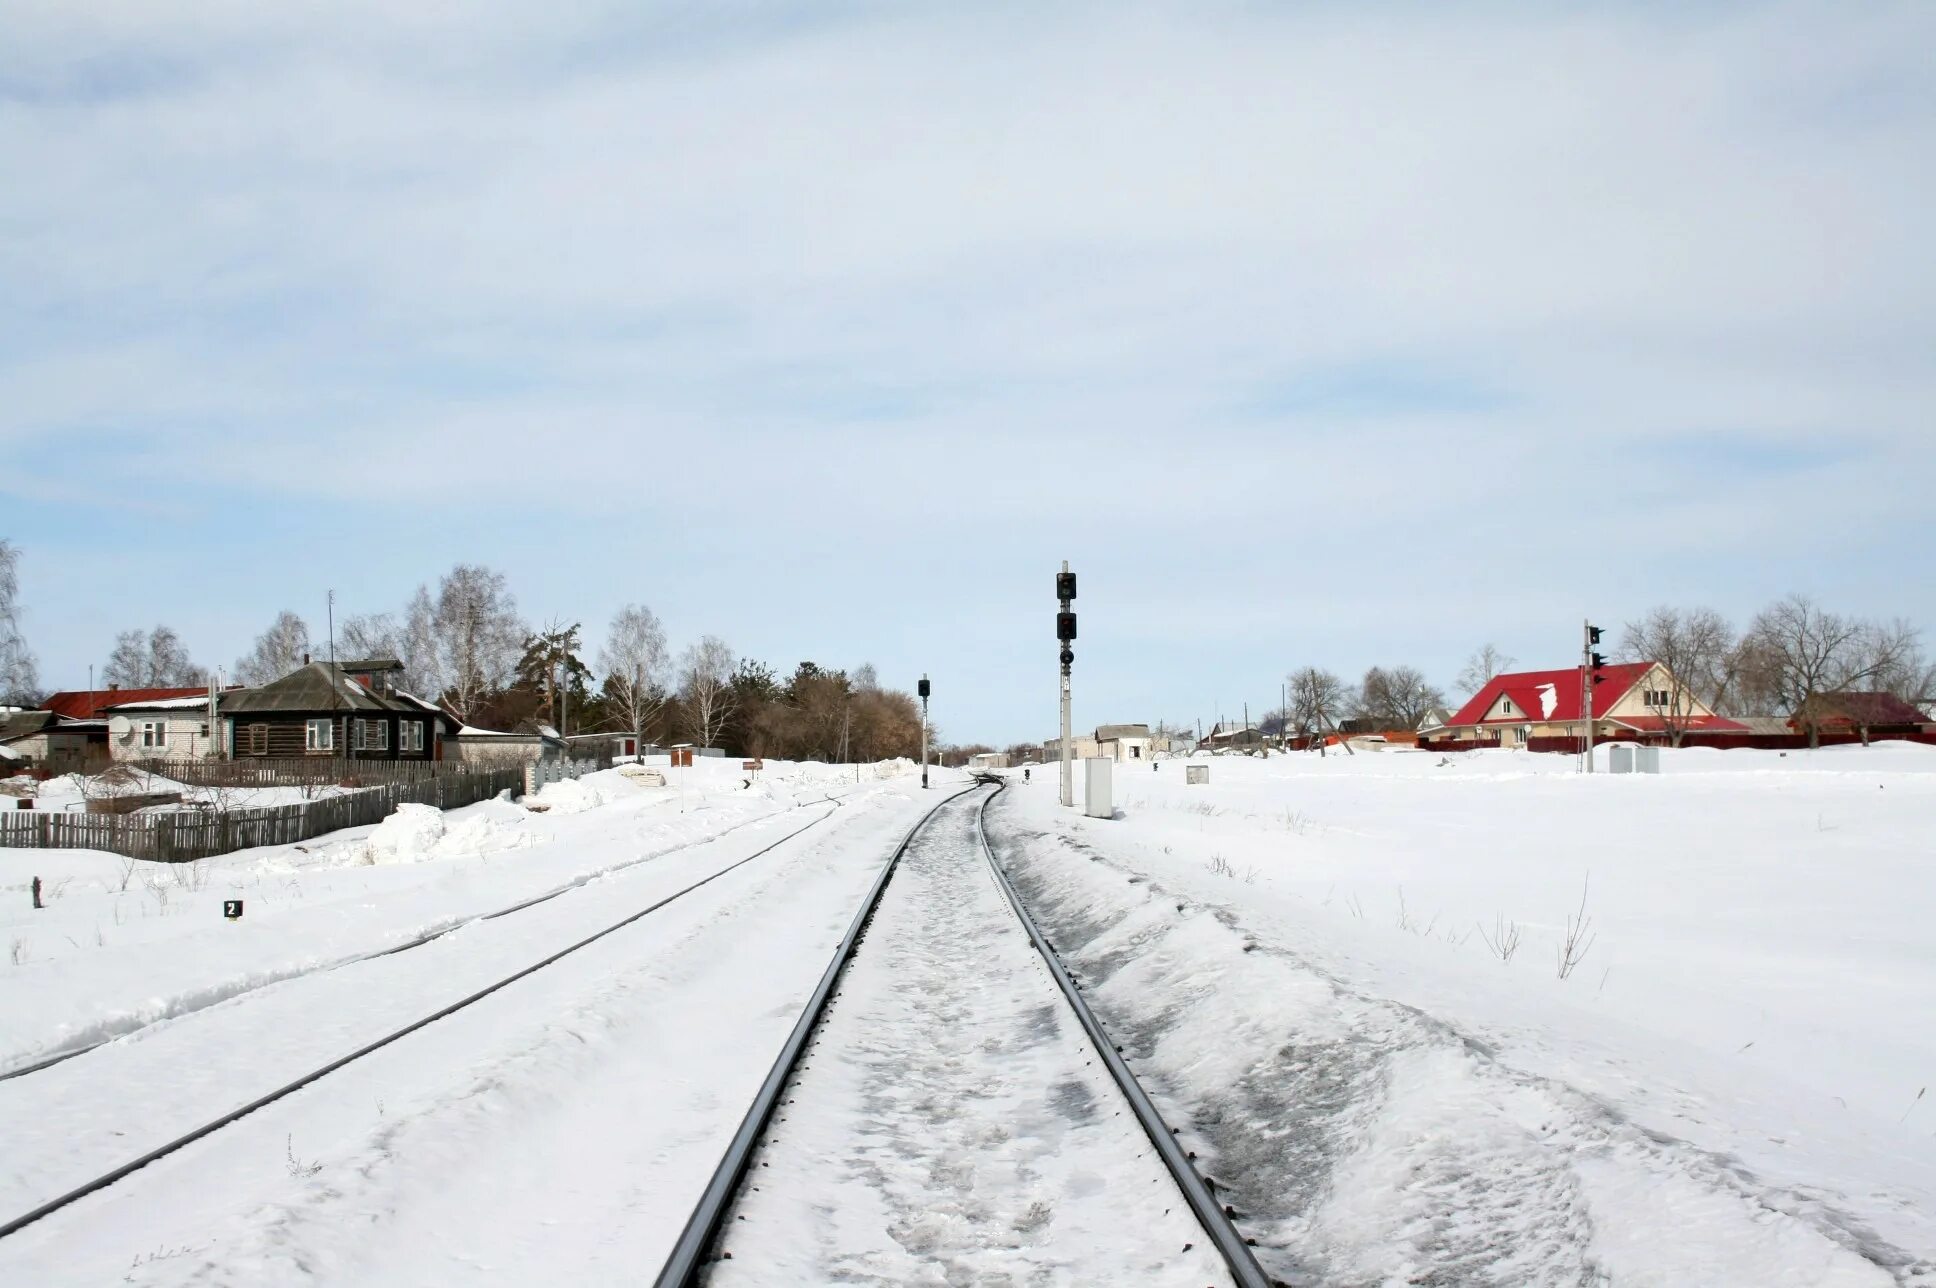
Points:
x=346 y=709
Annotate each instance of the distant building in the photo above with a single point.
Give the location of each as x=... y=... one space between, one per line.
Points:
x=1631 y=699
x=1879 y=715
x=1234 y=736
x=1081 y=747
x=49 y=740
x=988 y=760
x=1121 y=742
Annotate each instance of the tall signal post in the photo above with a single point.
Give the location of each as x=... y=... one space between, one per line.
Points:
x=925 y=689
x=1589 y=679
x=1065 y=635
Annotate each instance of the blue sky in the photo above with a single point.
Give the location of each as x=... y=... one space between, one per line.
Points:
x=1308 y=334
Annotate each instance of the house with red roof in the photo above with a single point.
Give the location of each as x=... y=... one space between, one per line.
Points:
x=1631 y=700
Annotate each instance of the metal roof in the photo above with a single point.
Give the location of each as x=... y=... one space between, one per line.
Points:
x=314 y=689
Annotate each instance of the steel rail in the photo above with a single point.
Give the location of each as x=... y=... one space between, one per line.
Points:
x=686 y=1266
x=127 y=1169
x=689 y=1255
x=1214 y=1218
x=418 y=941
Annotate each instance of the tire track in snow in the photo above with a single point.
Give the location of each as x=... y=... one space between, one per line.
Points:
x=1383 y=1146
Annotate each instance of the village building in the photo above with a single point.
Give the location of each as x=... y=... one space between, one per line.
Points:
x=1630 y=700
x=164 y=729
x=350 y=710
x=1121 y=742
x=1867 y=715
x=1231 y=737
x=48 y=740
x=1081 y=747
x=530 y=741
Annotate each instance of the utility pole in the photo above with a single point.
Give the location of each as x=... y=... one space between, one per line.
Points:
x=1589 y=677
x=1065 y=634
x=926 y=688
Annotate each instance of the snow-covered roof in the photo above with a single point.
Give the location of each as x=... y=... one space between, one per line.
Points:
x=163 y=704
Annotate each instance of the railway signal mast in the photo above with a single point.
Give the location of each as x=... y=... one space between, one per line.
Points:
x=925 y=688
x=1590 y=678
x=1065 y=634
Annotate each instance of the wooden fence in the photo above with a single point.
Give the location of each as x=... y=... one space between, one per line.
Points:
x=299 y=771
x=182 y=836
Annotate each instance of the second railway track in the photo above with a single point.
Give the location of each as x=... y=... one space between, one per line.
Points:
x=947 y=1104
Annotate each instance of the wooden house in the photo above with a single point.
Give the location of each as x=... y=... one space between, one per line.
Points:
x=351 y=710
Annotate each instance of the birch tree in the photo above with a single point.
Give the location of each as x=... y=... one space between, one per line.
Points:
x=478 y=635
x=19 y=677
x=633 y=658
x=1490 y=660
x=278 y=651
x=705 y=688
x=156 y=660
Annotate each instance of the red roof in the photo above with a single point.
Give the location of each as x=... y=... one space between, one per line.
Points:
x=83 y=704
x=1530 y=698
x=1851 y=709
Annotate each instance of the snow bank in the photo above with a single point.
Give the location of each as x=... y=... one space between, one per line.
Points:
x=419 y=832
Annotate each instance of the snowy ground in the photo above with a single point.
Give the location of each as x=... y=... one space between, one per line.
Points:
x=123 y=944
x=952 y=1125
x=389 y=1141
x=1724 y=1092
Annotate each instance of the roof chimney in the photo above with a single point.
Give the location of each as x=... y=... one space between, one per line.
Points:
x=305 y=659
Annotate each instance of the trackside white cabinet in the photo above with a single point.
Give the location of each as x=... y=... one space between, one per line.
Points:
x=1095 y=787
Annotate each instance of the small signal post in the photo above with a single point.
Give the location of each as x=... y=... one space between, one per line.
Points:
x=1065 y=635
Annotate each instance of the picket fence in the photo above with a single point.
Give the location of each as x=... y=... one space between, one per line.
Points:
x=299 y=771
x=182 y=836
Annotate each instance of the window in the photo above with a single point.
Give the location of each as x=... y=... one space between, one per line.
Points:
x=1505 y=706
x=257 y=739
x=319 y=735
x=410 y=736
x=1660 y=698
x=154 y=735
x=379 y=737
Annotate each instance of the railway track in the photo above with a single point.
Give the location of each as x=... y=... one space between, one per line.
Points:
x=112 y=1176
x=930 y=1104
x=61 y=1056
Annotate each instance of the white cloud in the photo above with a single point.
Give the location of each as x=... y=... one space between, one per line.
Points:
x=1093 y=242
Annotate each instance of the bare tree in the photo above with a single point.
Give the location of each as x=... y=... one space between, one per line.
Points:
x=1698 y=648
x=633 y=659
x=1911 y=676
x=278 y=651
x=157 y=660
x=1489 y=661
x=1316 y=697
x=1397 y=698
x=370 y=635
x=479 y=637
x=19 y=677
x=1804 y=655
x=423 y=667
x=705 y=688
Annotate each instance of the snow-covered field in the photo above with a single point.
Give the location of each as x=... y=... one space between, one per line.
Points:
x=1298 y=950
x=1726 y=1090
